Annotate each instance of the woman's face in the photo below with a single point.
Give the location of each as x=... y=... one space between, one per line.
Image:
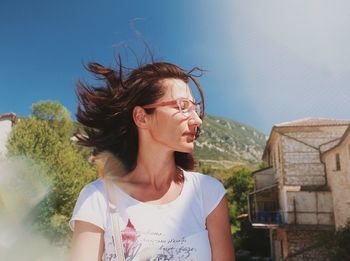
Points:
x=168 y=126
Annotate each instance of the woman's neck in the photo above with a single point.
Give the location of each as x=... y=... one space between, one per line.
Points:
x=154 y=169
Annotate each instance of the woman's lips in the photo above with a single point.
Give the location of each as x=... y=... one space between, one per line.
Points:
x=190 y=136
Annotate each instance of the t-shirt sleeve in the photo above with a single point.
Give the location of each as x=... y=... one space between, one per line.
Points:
x=212 y=193
x=90 y=207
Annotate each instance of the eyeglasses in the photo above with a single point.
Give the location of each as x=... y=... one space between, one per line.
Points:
x=186 y=106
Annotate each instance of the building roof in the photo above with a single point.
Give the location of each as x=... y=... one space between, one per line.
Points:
x=313 y=122
x=341 y=140
x=303 y=123
x=9 y=116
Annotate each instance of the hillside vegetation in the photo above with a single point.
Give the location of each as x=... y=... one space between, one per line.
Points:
x=229 y=141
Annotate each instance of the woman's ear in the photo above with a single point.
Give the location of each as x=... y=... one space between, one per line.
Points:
x=139 y=116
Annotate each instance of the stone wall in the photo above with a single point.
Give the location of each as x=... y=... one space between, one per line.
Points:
x=301 y=242
x=310 y=208
x=280 y=244
x=264 y=178
x=339 y=181
x=301 y=157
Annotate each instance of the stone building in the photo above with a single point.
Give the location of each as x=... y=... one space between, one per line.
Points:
x=337 y=161
x=294 y=196
x=6 y=122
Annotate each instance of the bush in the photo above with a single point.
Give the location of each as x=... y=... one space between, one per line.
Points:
x=336 y=243
x=44 y=138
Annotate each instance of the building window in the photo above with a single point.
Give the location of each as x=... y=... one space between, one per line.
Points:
x=337 y=162
x=279 y=154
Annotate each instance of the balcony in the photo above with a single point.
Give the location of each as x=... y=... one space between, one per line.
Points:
x=299 y=207
x=264 y=210
x=267 y=217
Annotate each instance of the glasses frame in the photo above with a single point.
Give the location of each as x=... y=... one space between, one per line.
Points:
x=194 y=108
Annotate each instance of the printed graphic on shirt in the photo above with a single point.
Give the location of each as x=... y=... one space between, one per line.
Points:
x=152 y=246
x=130 y=241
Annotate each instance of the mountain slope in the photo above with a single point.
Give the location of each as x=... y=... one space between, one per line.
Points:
x=225 y=139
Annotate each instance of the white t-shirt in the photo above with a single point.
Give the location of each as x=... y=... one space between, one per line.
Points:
x=174 y=231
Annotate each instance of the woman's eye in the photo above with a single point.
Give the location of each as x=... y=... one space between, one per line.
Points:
x=184 y=105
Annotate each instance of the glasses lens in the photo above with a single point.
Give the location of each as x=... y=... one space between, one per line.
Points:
x=184 y=106
x=198 y=109
x=187 y=107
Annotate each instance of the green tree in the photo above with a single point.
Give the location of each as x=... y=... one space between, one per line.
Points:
x=56 y=114
x=50 y=111
x=44 y=138
x=241 y=182
x=256 y=241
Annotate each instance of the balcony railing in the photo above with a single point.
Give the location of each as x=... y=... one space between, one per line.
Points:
x=267 y=217
x=300 y=207
x=298 y=218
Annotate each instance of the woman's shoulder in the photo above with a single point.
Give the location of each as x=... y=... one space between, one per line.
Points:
x=200 y=177
x=211 y=190
x=91 y=205
x=203 y=182
x=94 y=189
x=96 y=185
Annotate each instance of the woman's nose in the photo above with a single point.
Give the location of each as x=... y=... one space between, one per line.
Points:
x=195 y=119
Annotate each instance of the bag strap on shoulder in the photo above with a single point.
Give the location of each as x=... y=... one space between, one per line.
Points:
x=113 y=214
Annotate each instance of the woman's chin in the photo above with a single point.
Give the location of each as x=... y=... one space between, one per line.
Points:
x=188 y=148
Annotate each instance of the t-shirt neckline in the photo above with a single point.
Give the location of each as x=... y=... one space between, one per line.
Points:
x=177 y=199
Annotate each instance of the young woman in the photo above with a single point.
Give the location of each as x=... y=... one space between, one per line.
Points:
x=148 y=120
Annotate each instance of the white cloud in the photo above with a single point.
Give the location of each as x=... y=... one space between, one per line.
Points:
x=293 y=57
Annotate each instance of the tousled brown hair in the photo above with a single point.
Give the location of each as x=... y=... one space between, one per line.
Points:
x=106 y=111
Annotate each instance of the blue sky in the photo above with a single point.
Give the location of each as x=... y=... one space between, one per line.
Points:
x=267 y=61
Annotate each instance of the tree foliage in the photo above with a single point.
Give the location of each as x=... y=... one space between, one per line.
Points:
x=57 y=115
x=337 y=243
x=238 y=181
x=44 y=137
x=50 y=111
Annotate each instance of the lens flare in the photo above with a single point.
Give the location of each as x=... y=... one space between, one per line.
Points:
x=22 y=187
